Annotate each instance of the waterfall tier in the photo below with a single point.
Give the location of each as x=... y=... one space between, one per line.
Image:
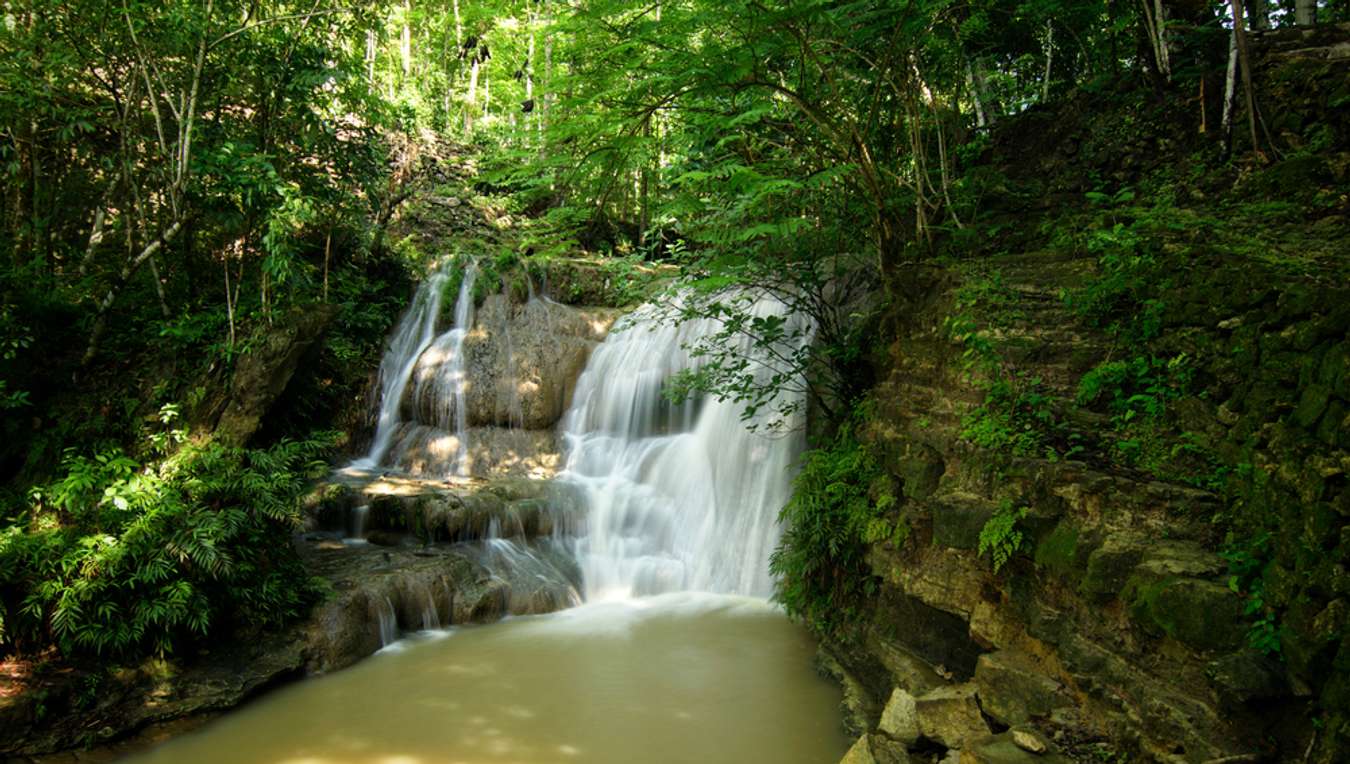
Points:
x=679 y=496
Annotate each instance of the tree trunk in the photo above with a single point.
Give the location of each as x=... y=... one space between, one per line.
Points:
x=128 y=270
x=1305 y=12
x=1156 y=25
x=1229 y=93
x=1049 y=59
x=372 y=48
x=1258 y=14
x=976 y=98
x=472 y=101
x=1245 y=62
x=159 y=288
x=405 y=41
x=980 y=86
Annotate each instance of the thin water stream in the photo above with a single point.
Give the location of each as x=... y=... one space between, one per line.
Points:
x=673 y=678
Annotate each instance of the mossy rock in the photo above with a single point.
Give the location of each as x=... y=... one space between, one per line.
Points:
x=920 y=468
x=1064 y=551
x=1199 y=614
x=958 y=520
x=1110 y=565
x=1311 y=405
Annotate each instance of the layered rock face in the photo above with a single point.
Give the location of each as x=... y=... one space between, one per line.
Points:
x=1115 y=622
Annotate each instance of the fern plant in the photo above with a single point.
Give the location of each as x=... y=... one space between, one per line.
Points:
x=1001 y=538
x=120 y=558
x=842 y=502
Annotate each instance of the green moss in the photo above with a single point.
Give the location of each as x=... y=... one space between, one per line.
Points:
x=1197 y=613
x=1059 y=551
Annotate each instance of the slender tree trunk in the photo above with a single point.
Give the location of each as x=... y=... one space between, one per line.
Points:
x=372 y=48
x=1305 y=12
x=1245 y=62
x=1049 y=46
x=229 y=302
x=1156 y=24
x=327 y=253
x=471 y=103
x=1229 y=93
x=1258 y=14
x=159 y=288
x=98 y=230
x=405 y=41
x=128 y=270
x=976 y=98
x=533 y=115
x=645 y=186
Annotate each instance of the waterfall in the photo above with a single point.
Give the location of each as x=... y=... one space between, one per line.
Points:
x=435 y=368
x=678 y=497
x=412 y=335
x=388 y=620
x=443 y=378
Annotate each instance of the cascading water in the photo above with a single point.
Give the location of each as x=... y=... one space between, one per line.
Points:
x=675 y=497
x=679 y=497
x=441 y=377
x=435 y=368
x=414 y=332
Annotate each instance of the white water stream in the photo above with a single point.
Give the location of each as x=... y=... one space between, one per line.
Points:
x=680 y=497
x=412 y=345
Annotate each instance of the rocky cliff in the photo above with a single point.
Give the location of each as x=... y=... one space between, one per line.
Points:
x=1118 y=443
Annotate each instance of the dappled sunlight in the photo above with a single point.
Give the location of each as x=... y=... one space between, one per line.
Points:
x=660 y=680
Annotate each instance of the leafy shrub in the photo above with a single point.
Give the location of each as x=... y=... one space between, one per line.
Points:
x=842 y=502
x=117 y=558
x=1136 y=393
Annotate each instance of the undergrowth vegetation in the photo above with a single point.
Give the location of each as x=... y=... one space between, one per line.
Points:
x=117 y=558
x=843 y=500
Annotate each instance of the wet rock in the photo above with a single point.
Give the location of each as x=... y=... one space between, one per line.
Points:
x=524 y=360
x=1029 y=741
x=958 y=520
x=859 y=753
x=1200 y=614
x=857 y=705
x=887 y=751
x=1248 y=676
x=900 y=718
x=951 y=716
x=1109 y=566
x=876 y=749
x=1013 y=691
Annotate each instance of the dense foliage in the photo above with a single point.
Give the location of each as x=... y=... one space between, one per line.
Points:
x=114 y=557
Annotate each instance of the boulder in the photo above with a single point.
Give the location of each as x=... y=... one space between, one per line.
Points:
x=1109 y=566
x=1013 y=691
x=900 y=718
x=959 y=518
x=1200 y=614
x=262 y=373
x=876 y=749
x=951 y=716
x=859 y=753
x=524 y=360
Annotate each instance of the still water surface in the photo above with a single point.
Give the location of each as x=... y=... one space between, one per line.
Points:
x=673 y=678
